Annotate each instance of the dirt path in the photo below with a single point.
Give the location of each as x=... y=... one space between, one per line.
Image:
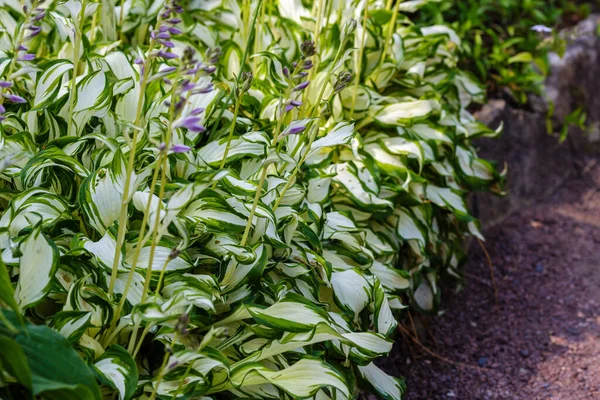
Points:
x=543 y=341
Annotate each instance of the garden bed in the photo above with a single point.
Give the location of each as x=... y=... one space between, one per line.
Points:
x=542 y=341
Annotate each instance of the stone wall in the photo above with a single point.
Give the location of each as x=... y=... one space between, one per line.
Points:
x=537 y=162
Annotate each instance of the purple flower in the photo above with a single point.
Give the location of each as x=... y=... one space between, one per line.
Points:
x=187 y=85
x=192 y=71
x=175 y=31
x=26 y=57
x=301 y=86
x=191 y=123
x=161 y=147
x=35 y=30
x=164 y=35
x=291 y=104
x=286 y=72
x=167 y=55
x=22 y=48
x=5 y=84
x=174 y=21
x=139 y=61
x=179 y=105
x=541 y=29
x=207 y=88
x=15 y=99
x=308 y=48
x=163 y=28
x=2 y=109
x=307 y=65
x=167 y=43
x=210 y=70
x=197 y=111
x=180 y=148
x=168 y=70
x=39 y=16
x=294 y=128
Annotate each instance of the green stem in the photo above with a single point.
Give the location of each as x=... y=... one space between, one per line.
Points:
x=147 y=328
x=261 y=182
x=76 y=59
x=139 y=345
x=291 y=179
x=389 y=35
x=359 y=61
x=258 y=38
x=263 y=174
x=246 y=12
x=161 y=195
x=315 y=130
x=129 y=170
x=243 y=62
x=182 y=380
x=141 y=240
x=231 y=130
x=161 y=166
x=327 y=78
x=160 y=375
x=162 y=275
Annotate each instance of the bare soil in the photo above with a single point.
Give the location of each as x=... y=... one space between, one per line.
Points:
x=542 y=340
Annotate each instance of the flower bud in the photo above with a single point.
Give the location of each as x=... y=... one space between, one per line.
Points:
x=167 y=55
x=14 y=98
x=343 y=79
x=175 y=251
x=213 y=54
x=308 y=48
x=349 y=28
x=178 y=148
x=301 y=86
x=246 y=80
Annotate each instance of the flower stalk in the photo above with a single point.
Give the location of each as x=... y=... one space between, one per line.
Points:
x=76 y=58
x=359 y=59
x=146 y=64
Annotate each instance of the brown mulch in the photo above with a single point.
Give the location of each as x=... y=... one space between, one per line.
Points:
x=543 y=339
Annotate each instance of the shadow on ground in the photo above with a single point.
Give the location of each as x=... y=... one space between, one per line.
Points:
x=543 y=339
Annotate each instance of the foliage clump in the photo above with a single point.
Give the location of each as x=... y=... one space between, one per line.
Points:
x=506 y=42
x=227 y=200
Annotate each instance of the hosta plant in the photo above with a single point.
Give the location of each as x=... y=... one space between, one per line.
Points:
x=226 y=200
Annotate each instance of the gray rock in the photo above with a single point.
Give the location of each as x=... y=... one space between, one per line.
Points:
x=537 y=162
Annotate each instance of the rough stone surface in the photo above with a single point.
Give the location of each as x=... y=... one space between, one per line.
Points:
x=537 y=162
x=573 y=82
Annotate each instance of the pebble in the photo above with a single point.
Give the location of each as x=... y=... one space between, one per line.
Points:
x=482 y=361
x=539 y=267
x=524 y=353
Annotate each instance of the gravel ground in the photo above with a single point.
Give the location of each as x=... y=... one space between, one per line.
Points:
x=542 y=341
